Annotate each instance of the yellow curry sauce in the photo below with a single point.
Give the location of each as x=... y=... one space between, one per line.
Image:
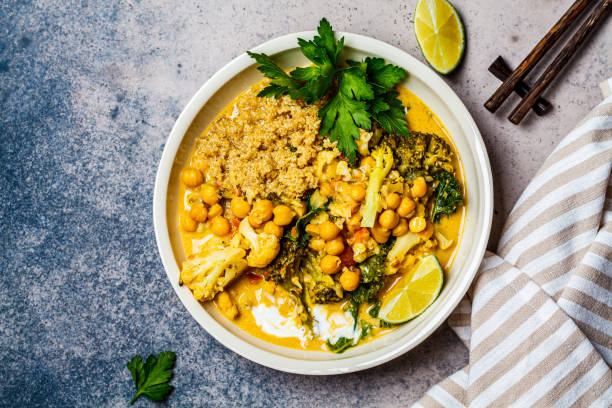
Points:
x=273 y=307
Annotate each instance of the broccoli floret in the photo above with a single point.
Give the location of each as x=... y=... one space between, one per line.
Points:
x=439 y=155
x=323 y=292
x=287 y=262
x=409 y=152
x=319 y=287
x=419 y=152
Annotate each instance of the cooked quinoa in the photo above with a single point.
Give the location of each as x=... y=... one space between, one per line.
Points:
x=261 y=146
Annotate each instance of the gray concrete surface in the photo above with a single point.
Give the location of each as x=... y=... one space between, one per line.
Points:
x=88 y=94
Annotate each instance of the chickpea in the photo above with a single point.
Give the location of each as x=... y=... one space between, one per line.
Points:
x=262 y=211
x=388 y=219
x=273 y=229
x=357 y=192
x=192 y=177
x=417 y=224
x=317 y=244
x=368 y=161
x=254 y=221
x=350 y=279
x=300 y=208
x=227 y=307
x=419 y=187
x=427 y=232
x=325 y=189
x=354 y=206
x=330 y=264
x=401 y=228
x=209 y=194
x=188 y=224
x=328 y=230
x=393 y=200
x=240 y=207
x=224 y=300
x=406 y=207
x=380 y=234
x=312 y=229
x=220 y=226
x=198 y=212
x=214 y=211
x=335 y=246
x=282 y=215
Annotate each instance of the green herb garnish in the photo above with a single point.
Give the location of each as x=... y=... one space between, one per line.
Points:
x=299 y=236
x=447 y=195
x=152 y=376
x=359 y=93
x=340 y=346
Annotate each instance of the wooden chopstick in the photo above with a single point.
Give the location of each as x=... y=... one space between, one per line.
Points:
x=505 y=89
x=595 y=18
x=501 y=70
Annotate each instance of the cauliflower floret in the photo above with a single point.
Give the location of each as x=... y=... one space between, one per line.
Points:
x=209 y=273
x=343 y=170
x=443 y=242
x=264 y=247
x=362 y=143
x=398 y=252
x=324 y=158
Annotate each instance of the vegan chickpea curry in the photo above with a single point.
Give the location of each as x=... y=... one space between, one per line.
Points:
x=314 y=242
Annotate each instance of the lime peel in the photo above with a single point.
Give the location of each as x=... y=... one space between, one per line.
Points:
x=440 y=34
x=414 y=293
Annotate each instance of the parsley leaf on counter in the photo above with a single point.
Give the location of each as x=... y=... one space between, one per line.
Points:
x=359 y=93
x=151 y=377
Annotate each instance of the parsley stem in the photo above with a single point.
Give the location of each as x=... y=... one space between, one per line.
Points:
x=135 y=398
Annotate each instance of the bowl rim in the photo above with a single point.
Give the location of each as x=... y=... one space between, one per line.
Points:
x=357 y=362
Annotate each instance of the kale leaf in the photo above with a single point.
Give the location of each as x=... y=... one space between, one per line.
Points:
x=447 y=195
x=298 y=235
x=341 y=345
x=372 y=279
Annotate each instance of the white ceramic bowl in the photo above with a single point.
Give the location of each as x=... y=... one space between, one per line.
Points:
x=219 y=90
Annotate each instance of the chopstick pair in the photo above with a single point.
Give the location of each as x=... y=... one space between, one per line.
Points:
x=505 y=89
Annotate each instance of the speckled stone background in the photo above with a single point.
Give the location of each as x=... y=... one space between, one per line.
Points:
x=88 y=94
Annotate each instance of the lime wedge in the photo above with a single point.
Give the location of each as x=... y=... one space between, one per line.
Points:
x=440 y=34
x=414 y=292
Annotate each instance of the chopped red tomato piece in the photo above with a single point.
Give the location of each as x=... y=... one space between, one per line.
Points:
x=253 y=277
x=347 y=256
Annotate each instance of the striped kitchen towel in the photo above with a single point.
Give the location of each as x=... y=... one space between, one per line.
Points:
x=538 y=317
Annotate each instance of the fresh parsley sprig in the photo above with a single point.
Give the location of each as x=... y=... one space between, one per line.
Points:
x=359 y=93
x=152 y=376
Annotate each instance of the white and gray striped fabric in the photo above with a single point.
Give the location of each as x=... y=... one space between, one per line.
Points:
x=538 y=317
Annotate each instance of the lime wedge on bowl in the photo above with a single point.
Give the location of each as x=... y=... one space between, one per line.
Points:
x=414 y=292
x=440 y=34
